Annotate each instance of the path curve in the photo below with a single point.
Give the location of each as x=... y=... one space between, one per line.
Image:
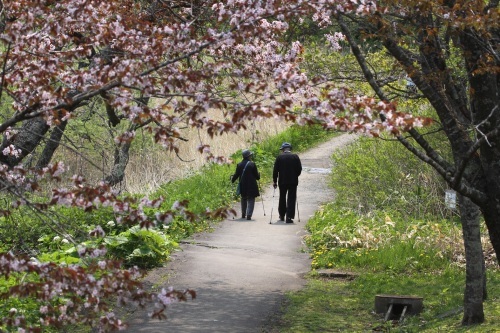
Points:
x=242 y=269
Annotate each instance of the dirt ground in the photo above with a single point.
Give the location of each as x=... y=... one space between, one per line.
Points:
x=242 y=269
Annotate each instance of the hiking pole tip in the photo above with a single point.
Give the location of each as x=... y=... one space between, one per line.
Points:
x=272 y=207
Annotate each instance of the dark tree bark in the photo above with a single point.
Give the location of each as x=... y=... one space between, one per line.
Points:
x=485 y=108
x=52 y=145
x=117 y=173
x=475 y=289
x=122 y=156
x=26 y=140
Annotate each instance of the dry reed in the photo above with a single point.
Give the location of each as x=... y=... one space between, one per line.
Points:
x=146 y=172
x=150 y=165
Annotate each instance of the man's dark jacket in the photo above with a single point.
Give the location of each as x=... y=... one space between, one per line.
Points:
x=287 y=169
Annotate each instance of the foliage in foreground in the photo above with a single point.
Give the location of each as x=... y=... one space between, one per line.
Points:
x=393 y=249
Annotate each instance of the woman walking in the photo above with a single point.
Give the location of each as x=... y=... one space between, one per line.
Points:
x=247 y=173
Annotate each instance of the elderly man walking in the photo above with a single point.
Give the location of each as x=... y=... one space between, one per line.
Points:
x=286 y=172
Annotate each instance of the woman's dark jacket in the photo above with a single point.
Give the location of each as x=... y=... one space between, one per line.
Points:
x=248 y=184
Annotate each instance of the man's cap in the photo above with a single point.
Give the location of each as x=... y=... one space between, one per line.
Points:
x=246 y=153
x=285 y=145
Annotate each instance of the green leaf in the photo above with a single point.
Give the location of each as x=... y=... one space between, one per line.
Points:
x=116 y=240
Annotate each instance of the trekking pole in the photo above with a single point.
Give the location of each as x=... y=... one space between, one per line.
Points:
x=230 y=184
x=262 y=199
x=298 y=213
x=272 y=207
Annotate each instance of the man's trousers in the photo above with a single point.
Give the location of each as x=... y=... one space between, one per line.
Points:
x=288 y=198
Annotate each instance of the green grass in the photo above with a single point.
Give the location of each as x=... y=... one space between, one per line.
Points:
x=324 y=306
x=330 y=305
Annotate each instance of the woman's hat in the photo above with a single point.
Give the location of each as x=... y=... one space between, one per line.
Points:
x=246 y=153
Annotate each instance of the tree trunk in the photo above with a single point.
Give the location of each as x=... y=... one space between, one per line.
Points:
x=120 y=164
x=485 y=103
x=52 y=145
x=475 y=289
x=25 y=141
x=491 y=213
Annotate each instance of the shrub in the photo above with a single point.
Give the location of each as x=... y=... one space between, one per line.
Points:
x=140 y=247
x=383 y=175
x=375 y=242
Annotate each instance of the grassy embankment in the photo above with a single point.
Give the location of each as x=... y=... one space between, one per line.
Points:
x=390 y=228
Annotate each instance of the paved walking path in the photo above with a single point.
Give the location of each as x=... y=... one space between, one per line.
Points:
x=242 y=270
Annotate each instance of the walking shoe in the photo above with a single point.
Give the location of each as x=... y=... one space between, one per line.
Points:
x=282 y=218
x=289 y=221
x=249 y=217
x=243 y=216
